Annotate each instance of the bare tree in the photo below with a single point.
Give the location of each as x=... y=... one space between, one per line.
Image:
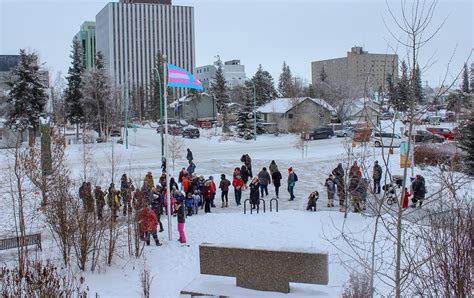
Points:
x=175 y=147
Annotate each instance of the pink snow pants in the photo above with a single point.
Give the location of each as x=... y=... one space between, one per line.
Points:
x=182 y=236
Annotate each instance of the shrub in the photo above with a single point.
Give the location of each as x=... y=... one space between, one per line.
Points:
x=358 y=286
x=438 y=154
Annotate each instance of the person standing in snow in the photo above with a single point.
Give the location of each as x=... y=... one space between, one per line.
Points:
x=248 y=163
x=292 y=178
x=354 y=170
x=272 y=168
x=418 y=190
x=99 y=201
x=331 y=188
x=264 y=179
x=148 y=181
x=244 y=173
x=207 y=195
x=339 y=179
x=148 y=223
x=180 y=178
x=312 y=199
x=238 y=184
x=276 y=179
x=191 y=168
x=157 y=207
x=85 y=193
x=224 y=186
x=189 y=156
x=254 y=193
x=377 y=175
x=213 y=190
x=180 y=214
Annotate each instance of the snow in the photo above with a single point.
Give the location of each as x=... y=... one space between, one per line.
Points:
x=283 y=105
x=174 y=267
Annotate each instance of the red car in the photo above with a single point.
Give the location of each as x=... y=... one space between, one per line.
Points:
x=445 y=132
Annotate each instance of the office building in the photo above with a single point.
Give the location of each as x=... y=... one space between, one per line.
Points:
x=86 y=37
x=356 y=71
x=234 y=73
x=131 y=33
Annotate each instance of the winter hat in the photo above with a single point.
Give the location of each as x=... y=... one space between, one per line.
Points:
x=222 y=176
x=290 y=169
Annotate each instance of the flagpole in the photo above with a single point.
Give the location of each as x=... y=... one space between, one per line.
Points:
x=165 y=106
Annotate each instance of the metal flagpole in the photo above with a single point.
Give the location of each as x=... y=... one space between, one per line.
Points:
x=126 y=115
x=165 y=106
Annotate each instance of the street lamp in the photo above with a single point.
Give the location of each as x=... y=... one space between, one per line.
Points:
x=254 y=110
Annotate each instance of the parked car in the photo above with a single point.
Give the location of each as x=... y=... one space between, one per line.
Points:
x=445 y=132
x=191 y=132
x=345 y=132
x=424 y=136
x=115 y=132
x=362 y=134
x=386 y=139
x=321 y=133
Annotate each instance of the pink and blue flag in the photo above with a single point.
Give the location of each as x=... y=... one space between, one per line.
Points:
x=180 y=77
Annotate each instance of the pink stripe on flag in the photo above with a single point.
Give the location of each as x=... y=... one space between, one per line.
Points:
x=177 y=80
x=178 y=75
x=174 y=70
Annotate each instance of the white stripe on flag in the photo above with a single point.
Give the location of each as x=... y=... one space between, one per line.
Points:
x=174 y=75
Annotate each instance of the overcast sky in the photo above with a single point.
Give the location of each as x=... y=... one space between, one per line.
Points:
x=254 y=31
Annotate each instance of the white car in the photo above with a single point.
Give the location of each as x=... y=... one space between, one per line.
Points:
x=386 y=139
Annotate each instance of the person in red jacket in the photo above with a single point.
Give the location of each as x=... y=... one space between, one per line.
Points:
x=405 y=199
x=148 y=223
x=238 y=184
x=207 y=195
x=213 y=191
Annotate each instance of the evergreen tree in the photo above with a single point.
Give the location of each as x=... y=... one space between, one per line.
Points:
x=403 y=89
x=466 y=142
x=265 y=89
x=27 y=95
x=472 y=77
x=392 y=90
x=219 y=91
x=418 y=86
x=323 y=75
x=465 y=80
x=73 y=93
x=285 y=83
x=245 y=116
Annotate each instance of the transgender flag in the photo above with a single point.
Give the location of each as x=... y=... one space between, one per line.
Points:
x=180 y=77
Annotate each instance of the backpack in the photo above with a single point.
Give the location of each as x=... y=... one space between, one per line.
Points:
x=296 y=177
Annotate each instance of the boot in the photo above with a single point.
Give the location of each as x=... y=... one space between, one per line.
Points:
x=222 y=205
x=158 y=242
x=227 y=204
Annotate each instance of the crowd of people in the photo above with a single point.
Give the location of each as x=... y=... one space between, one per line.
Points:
x=192 y=192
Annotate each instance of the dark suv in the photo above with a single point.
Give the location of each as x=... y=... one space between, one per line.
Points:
x=321 y=133
x=191 y=132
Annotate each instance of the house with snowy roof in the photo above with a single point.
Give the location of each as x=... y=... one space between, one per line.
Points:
x=360 y=111
x=193 y=107
x=297 y=114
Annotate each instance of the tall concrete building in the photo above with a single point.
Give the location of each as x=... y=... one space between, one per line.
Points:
x=355 y=70
x=131 y=33
x=234 y=73
x=86 y=37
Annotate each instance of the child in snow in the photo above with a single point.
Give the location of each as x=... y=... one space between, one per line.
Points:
x=189 y=204
x=405 y=199
x=197 y=201
x=331 y=188
x=312 y=199
x=148 y=224
x=179 y=209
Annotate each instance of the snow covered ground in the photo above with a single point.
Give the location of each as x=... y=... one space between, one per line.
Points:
x=173 y=266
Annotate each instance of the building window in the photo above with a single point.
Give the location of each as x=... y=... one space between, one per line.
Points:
x=290 y=116
x=1 y=135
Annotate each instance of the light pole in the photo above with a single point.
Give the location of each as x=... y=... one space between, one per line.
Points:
x=161 y=112
x=254 y=110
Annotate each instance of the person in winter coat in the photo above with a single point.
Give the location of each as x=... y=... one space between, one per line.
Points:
x=162 y=180
x=405 y=199
x=238 y=184
x=213 y=190
x=173 y=184
x=419 y=190
x=139 y=200
x=236 y=172
x=291 y=183
x=248 y=163
x=312 y=199
x=207 y=195
x=276 y=179
x=189 y=155
x=224 y=187
x=331 y=188
x=113 y=200
x=85 y=193
x=126 y=188
x=354 y=170
x=157 y=207
x=99 y=201
x=272 y=168
x=339 y=179
x=186 y=184
x=191 y=168
x=377 y=176
x=189 y=202
x=180 y=214
x=254 y=193
x=244 y=173
x=264 y=179
x=180 y=178
x=149 y=182
x=197 y=199
x=147 y=225
x=354 y=183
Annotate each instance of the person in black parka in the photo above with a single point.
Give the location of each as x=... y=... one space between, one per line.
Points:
x=254 y=193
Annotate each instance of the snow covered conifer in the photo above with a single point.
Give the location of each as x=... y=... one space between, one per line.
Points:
x=465 y=80
x=245 y=116
x=264 y=86
x=219 y=90
x=285 y=83
x=73 y=92
x=27 y=95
